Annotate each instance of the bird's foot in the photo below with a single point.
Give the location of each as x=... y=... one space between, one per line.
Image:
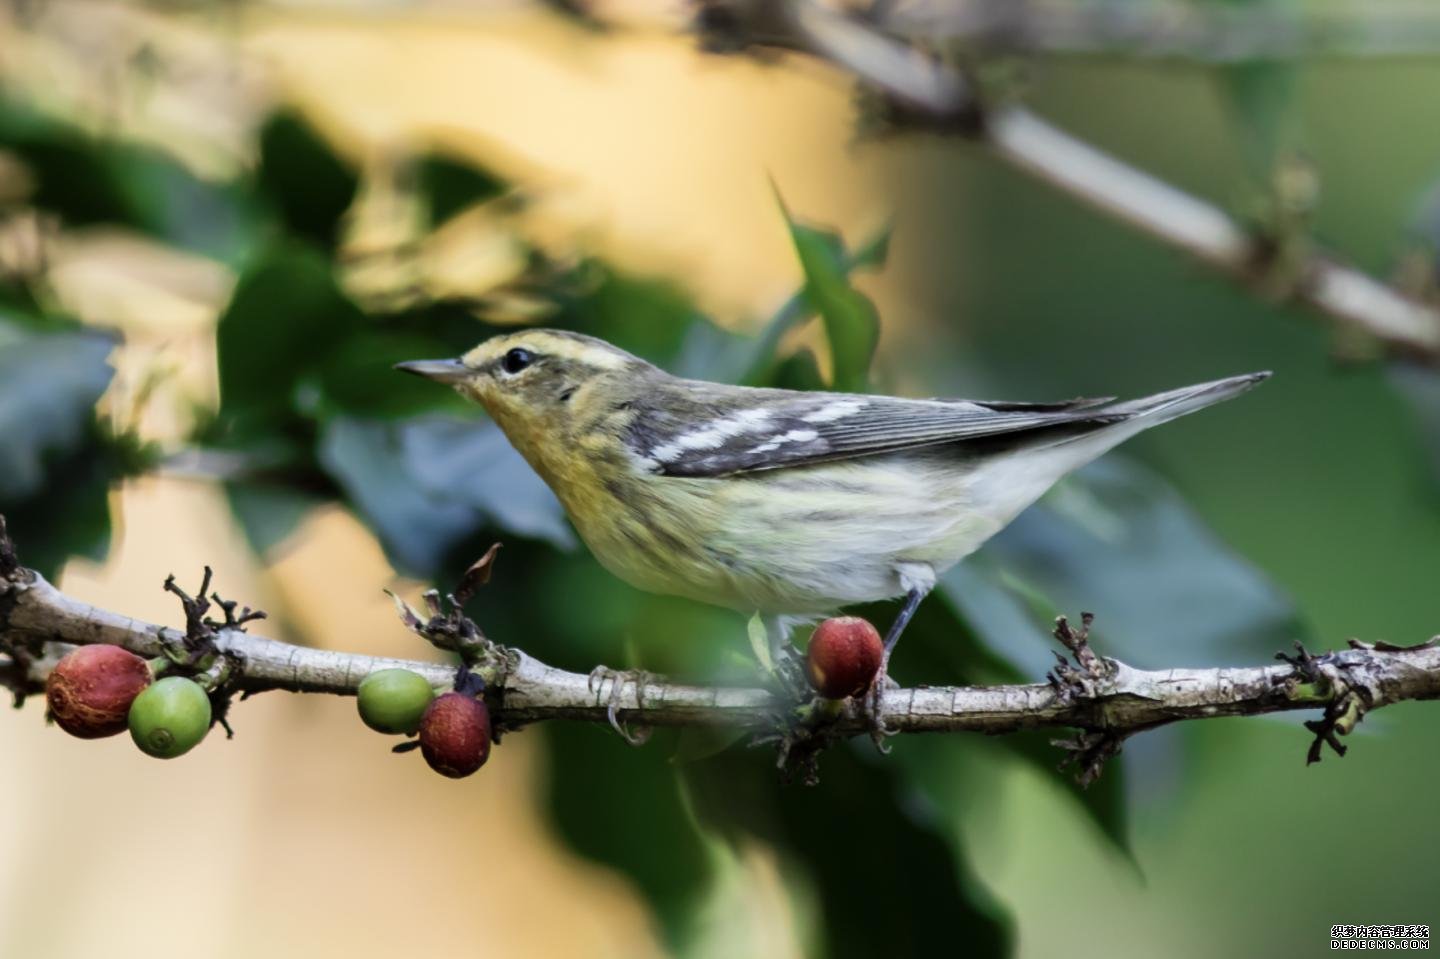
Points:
x=617 y=678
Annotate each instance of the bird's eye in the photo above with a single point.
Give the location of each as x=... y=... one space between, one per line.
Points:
x=516 y=360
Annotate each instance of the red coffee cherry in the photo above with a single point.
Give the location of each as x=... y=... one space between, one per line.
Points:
x=455 y=735
x=843 y=657
x=90 y=690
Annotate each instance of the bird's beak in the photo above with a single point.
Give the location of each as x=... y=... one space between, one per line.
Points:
x=441 y=371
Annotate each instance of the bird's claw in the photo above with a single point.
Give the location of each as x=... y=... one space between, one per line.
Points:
x=617 y=679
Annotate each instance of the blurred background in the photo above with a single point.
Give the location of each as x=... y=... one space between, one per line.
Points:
x=220 y=224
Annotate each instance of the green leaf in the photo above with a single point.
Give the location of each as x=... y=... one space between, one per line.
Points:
x=710 y=352
x=88 y=179
x=269 y=512
x=948 y=642
x=1421 y=388
x=1263 y=96
x=427 y=485
x=69 y=515
x=623 y=807
x=450 y=184
x=851 y=840
x=56 y=466
x=49 y=384
x=358 y=375
x=852 y=325
x=759 y=641
x=1116 y=540
x=648 y=317
x=309 y=185
x=285 y=320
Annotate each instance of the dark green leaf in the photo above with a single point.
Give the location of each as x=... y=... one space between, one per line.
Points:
x=760 y=369
x=285 y=320
x=450 y=184
x=852 y=325
x=853 y=838
x=624 y=807
x=309 y=185
x=358 y=376
x=56 y=466
x=70 y=515
x=650 y=318
x=88 y=179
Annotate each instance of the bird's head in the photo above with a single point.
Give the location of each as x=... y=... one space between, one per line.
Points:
x=534 y=380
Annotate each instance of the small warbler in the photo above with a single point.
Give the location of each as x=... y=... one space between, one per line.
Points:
x=786 y=503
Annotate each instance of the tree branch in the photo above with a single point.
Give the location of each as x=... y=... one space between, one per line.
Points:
x=1172 y=29
x=926 y=91
x=1107 y=700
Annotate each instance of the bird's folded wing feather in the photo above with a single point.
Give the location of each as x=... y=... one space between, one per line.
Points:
x=747 y=431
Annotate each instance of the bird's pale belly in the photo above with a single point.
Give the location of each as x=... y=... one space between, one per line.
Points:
x=798 y=541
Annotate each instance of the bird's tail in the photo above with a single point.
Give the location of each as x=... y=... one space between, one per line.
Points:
x=1036 y=459
x=1114 y=423
x=1163 y=407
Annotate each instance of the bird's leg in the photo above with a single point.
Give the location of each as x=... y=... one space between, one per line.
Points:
x=875 y=699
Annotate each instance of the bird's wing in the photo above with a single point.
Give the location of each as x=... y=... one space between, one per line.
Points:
x=745 y=431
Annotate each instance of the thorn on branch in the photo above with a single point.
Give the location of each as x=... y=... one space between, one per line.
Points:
x=1305 y=664
x=450 y=629
x=199 y=634
x=1067 y=681
x=232 y=619
x=197 y=653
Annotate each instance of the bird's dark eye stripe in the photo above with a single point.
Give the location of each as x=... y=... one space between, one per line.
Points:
x=516 y=360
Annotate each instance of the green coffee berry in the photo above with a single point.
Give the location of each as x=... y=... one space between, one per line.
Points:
x=170 y=717
x=393 y=700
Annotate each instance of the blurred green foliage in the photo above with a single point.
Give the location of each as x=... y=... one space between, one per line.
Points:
x=310 y=406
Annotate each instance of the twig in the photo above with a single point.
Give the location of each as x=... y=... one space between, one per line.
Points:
x=1128 y=700
x=924 y=90
x=1172 y=29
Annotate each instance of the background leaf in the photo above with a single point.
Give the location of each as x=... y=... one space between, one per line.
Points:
x=49 y=384
x=309 y=185
x=1116 y=540
x=428 y=484
x=851 y=324
x=450 y=184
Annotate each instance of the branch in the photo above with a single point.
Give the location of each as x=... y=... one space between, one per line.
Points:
x=1171 y=29
x=923 y=90
x=1107 y=700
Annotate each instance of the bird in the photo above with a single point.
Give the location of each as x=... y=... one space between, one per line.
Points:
x=783 y=503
